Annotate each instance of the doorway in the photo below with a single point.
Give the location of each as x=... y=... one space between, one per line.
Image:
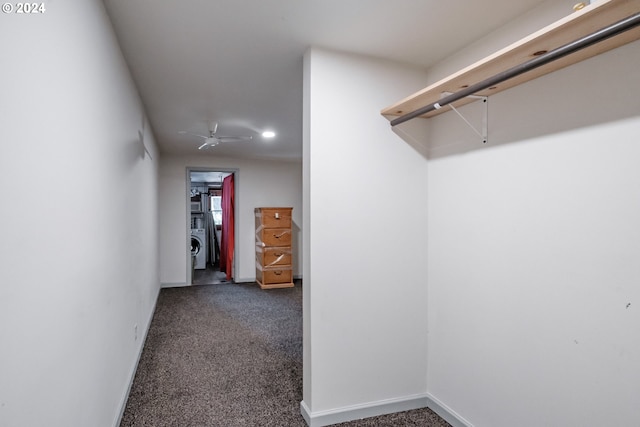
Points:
x=211 y=230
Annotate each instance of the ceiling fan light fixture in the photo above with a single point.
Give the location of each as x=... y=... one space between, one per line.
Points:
x=213 y=139
x=268 y=134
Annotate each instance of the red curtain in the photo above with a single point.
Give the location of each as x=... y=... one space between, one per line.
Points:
x=226 y=239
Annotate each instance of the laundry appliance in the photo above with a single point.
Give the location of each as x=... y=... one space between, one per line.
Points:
x=199 y=247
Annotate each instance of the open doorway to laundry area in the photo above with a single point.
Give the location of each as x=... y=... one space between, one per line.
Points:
x=211 y=225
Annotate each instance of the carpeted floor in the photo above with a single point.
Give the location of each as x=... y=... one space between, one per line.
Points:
x=209 y=276
x=229 y=355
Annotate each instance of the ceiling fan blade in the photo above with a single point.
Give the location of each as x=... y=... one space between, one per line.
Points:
x=233 y=138
x=212 y=140
x=213 y=128
x=184 y=132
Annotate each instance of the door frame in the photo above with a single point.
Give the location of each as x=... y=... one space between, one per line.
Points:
x=236 y=209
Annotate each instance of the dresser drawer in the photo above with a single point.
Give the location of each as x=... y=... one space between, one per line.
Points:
x=270 y=257
x=274 y=276
x=273 y=237
x=274 y=217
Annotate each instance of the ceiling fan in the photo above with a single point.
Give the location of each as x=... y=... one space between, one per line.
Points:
x=213 y=139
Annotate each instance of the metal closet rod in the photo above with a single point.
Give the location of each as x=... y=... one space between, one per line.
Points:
x=569 y=48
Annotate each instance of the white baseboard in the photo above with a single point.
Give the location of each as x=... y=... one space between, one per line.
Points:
x=448 y=414
x=357 y=412
x=373 y=409
x=132 y=374
x=244 y=280
x=174 y=285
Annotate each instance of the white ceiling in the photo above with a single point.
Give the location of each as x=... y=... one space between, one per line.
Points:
x=239 y=62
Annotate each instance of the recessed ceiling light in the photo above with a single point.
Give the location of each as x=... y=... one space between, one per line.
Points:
x=268 y=134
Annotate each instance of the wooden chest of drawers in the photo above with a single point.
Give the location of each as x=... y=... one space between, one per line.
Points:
x=273 y=248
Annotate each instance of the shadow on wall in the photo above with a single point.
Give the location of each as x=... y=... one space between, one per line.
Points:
x=415 y=133
x=136 y=149
x=596 y=91
x=295 y=238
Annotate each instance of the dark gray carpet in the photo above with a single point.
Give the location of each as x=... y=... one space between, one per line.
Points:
x=229 y=355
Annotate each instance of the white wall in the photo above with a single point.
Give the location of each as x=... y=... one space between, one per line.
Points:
x=534 y=303
x=78 y=224
x=365 y=236
x=257 y=183
x=538 y=17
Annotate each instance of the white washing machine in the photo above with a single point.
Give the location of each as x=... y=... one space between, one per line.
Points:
x=199 y=247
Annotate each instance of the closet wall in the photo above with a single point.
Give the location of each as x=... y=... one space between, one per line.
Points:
x=533 y=241
x=364 y=242
x=79 y=277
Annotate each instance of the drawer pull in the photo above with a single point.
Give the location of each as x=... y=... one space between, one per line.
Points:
x=277 y=236
x=277 y=273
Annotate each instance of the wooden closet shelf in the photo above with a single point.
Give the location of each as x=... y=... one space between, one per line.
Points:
x=573 y=27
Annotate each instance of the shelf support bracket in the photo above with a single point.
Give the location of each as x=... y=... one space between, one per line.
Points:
x=484 y=131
